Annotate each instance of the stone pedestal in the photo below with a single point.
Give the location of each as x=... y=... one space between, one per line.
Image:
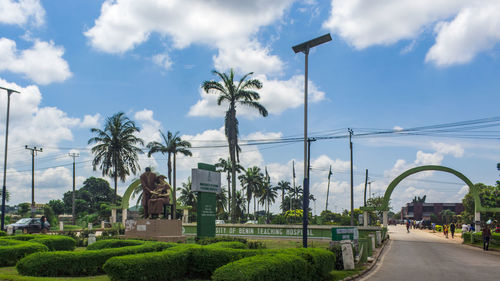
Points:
x=365 y=218
x=102 y=224
x=160 y=230
x=124 y=216
x=372 y=240
x=91 y=240
x=185 y=216
x=61 y=226
x=113 y=215
x=477 y=221
x=378 y=235
x=347 y=255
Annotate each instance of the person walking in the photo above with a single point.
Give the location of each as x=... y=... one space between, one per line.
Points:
x=452 y=230
x=408 y=226
x=44 y=225
x=486 y=237
x=445 y=230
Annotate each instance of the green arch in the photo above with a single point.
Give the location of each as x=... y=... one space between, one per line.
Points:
x=477 y=202
x=128 y=193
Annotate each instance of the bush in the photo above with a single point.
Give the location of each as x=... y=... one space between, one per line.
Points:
x=53 y=242
x=12 y=250
x=255 y=245
x=336 y=249
x=3 y=233
x=211 y=240
x=82 y=263
x=320 y=261
x=230 y=245
x=279 y=267
x=114 y=243
x=165 y=265
x=439 y=228
x=205 y=260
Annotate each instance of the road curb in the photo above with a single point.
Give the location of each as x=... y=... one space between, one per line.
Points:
x=370 y=267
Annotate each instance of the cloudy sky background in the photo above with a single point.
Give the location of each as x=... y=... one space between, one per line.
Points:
x=391 y=64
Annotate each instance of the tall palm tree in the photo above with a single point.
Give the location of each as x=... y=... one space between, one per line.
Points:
x=239 y=210
x=221 y=201
x=187 y=197
x=225 y=166
x=284 y=186
x=269 y=195
x=251 y=180
x=240 y=93
x=116 y=148
x=172 y=144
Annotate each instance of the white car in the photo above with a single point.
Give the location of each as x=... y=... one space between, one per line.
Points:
x=220 y=222
x=252 y=222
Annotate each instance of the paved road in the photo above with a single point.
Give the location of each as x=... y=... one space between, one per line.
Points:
x=420 y=255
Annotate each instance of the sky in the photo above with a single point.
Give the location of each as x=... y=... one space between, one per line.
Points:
x=392 y=65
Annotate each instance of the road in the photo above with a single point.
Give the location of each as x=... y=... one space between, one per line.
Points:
x=420 y=255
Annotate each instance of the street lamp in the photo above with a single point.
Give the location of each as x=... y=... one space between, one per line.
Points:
x=304 y=48
x=4 y=188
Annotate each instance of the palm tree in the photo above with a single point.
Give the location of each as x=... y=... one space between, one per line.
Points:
x=115 y=151
x=242 y=93
x=269 y=195
x=239 y=210
x=172 y=145
x=225 y=166
x=251 y=180
x=284 y=186
x=188 y=198
x=221 y=201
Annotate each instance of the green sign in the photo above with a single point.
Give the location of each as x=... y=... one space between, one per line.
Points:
x=345 y=233
x=206 y=203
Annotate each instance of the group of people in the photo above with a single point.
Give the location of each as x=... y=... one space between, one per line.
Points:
x=449 y=228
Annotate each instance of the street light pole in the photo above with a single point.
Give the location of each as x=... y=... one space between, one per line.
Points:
x=352 y=184
x=304 y=48
x=73 y=155
x=4 y=188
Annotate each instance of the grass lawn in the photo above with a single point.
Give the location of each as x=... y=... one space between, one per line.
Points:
x=10 y=273
x=480 y=245
x=342 y=274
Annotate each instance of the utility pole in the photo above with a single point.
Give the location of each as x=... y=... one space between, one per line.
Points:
x=73 y=155
x=328 y=188
x=366 y=183
x=352 y=184
x=4 y=187
x=33 y=150
x=370 y=189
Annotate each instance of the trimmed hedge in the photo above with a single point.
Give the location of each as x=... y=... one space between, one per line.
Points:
x=229 y=245
x=205 y=260
x=321 y=261
x=3 y=233
x=211 y=240
x=53 y=242
x=12 y=250
x=114 y=243
x=478 y=237
x=279 y=267
x=82 y=263
x=165 y=265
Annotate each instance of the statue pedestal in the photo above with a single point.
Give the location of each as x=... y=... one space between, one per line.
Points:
x=160 y=230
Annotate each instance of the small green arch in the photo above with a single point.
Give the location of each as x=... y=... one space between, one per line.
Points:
x=477 y=202
x=128 y=193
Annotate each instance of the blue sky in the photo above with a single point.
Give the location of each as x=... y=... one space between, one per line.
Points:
x=390 y=64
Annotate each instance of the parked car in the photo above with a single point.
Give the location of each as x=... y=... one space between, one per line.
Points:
x=27 y=225
x=252 y=222
x=220 y=222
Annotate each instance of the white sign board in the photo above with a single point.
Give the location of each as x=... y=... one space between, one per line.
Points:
x=205 y=181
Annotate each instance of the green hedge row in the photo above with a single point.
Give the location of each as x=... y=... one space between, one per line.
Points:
x=211 y=240
x=478 y=237
x=53 y=242
x=82 y=263
x=230 y=245
x=3 y=233
x=12 y=251
x=279 y=267
x=320 y=262
x=114 y=243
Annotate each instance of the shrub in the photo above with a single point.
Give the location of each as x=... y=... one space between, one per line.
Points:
x=336 y=249
x=255 y=245
x=53 y=242
x=79 y=263
x=114 y=243
x=439 y=228
x=279 y=267
x=230 y=245
x=211 y=240
x=320 y=261
x=12 y=250
x=3 y=233
x=205 y=260
x=165 y=265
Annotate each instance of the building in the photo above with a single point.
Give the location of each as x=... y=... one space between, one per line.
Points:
x=422 y=211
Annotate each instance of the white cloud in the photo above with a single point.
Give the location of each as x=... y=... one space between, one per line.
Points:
x=463 y=28
x=163 y=60
x=443 y=148
x=22 y=12
x=43 y=63
x=90 y=121
x=475 y=29
x=276 y=95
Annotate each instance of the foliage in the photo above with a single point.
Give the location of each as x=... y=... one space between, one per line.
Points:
x=221 y=200
x=115 y=150
x=490 y=198
x=114 y=243
x=336 y=249
x=229 y=245
x=321 y=261
x=205 y=260
x=51 y=217
x=294 y=216
x=251 y=181
x=217 y=239
x=240 y=93
x=419 y=199
x=284 y=187
x=3 y=233
x=329 y=217
x=57 y=206
x=53 y=242
x=13 y=250
x=188 y=197
x=166 y=265
x=79 y=263
x=226 y=166
x=478 y=237
x=23 y=209
x=266 y=267
x=447 y=215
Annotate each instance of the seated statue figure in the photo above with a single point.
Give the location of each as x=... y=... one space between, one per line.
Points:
x=160 y=196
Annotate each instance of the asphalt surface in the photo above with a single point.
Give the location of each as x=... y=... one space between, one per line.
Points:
x=420 y=255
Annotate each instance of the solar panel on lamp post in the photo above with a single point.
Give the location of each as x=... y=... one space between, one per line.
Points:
x=304 y=48
x=4 y=188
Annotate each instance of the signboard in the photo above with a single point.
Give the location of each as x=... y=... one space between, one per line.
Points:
x=345 y=233
x=205 y=181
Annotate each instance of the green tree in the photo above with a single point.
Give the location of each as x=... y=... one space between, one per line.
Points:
x=268 y=196
x=226 y=166
x=239 y=210
x=283 y=186
x=490 y=198
x=90 y=196
x=115 y=150
x=188 y=198
x=251 y=181
x=221 y=201
x=172 y=144
x=57 y=206
x=239 y=93
x=23 y=209
x=447 y=215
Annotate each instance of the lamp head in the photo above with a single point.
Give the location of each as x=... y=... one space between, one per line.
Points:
x=304 y=47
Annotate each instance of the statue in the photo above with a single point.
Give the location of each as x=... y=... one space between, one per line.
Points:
x=155 y=193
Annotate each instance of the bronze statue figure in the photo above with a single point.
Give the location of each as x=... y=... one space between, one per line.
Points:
x=156 y=193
